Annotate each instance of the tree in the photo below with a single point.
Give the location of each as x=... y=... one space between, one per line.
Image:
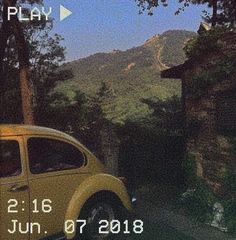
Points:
x=9 y=28
x=223 y=11
x=5 y=32
x=227 y=12
x=106 y=92
x=167 y=115
x=45 y=56
x=214 y=4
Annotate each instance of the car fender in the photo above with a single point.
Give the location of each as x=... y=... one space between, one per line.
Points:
x=91 y=186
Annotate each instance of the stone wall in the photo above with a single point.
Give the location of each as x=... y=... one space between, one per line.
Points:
x=209 y=104
x=211 y=147
x=207 y=139
x=110 y=146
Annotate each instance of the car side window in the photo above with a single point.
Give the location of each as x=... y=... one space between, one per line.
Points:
x=49 y=155
x=10 y=160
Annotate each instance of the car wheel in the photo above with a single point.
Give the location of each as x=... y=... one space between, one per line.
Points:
x=93 y=214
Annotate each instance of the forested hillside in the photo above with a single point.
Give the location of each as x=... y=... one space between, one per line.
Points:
x=120 y=79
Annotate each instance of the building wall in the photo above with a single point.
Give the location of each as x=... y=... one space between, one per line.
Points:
x=209 y=105
x=210 y=128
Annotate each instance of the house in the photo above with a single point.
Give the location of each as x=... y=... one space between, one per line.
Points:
x=209 y=105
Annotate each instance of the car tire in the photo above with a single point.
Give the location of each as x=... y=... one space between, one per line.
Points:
x=93 y=212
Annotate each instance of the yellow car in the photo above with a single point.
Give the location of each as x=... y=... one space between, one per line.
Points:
x=52 y=187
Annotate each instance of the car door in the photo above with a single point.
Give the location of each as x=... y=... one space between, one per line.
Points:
x=14 y=195
x=57 y=167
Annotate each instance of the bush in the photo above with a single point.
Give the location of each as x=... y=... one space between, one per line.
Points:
x=219 y=71
x=204 y=43
x=230 y=215
x=230 y=181
x=199 y=203
x=190 y=170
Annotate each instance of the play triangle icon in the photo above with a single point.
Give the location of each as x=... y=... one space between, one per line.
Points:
x=64 y=13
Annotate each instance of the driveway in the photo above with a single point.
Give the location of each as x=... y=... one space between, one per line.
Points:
x=161 y=223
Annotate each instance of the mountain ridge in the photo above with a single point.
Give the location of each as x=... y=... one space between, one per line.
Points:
x=133 y=74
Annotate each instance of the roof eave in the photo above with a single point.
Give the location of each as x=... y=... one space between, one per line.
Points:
x=174 y=72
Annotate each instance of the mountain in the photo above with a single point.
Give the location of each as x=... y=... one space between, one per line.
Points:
x=132 y=75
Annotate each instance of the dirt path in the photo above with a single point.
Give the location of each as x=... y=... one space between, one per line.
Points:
x=158 y=59
x=163 y=217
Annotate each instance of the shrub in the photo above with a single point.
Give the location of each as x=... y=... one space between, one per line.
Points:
x=190 y=170
x=230 y=215
x=222 y=70
x=204 y=43
x=199 y=204
x=230 y=180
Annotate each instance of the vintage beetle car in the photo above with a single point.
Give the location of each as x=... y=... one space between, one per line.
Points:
x=49 y=178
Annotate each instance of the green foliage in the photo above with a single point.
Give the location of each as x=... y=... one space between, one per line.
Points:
x=149 y=154
x=199 y=205
x=167 y=115
x=229 y=201
x=233 y=141
x=133 y=75
x=173 y=44
x=76 y=115
x=205 y=43
x=219 y=70
x=230 y=215
x=224 y=11
x=230 y=180
x=147 y=5
x=46 y=54
x=190 y=170
x=222 y=70
x=200 y=202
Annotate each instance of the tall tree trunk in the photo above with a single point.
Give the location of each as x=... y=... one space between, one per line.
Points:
x=214 y=14
x=5 y=32
x=26 y=95
x=24 y=66
x=3 y=43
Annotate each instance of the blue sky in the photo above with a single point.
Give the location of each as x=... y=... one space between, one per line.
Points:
x=104 y=25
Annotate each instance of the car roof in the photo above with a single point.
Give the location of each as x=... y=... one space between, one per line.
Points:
x=20 y=129
x=7 y=130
